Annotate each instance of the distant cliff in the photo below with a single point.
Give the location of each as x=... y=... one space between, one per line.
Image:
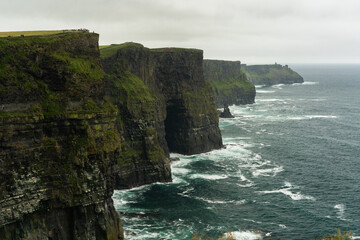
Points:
x=271 y=74
x=58 y=140
x=166 y=107
x=229 y=82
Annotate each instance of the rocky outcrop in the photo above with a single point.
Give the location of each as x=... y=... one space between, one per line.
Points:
x=166 y=107
x=226 y=113
x=271 y=74
x=229 y=82
x=58 y=140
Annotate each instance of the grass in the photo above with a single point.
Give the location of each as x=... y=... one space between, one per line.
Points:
x=339 y=236
x=110 y=50
x=104 y=46
x=33 y=33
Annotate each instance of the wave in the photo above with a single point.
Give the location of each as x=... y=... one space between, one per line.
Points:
x=264 y=91
x=267 y=172
x=340 y=211
x=245 y=235
x=287 y=191
x=278 y=86
x=208 y=176
x=239 y=202
x=310 y=83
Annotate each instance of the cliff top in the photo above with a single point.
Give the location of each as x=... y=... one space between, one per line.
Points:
x=224 y=61
x=107 y=51
x=173 y=49
x=38 y=33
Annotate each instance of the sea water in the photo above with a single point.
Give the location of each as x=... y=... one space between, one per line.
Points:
x=290 y=169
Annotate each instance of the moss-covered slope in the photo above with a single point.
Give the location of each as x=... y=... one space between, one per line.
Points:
x=58 y=140
x=229 y=82
x=271 y=74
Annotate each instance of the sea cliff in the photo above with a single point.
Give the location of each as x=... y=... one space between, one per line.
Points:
x=229 y=82
x=58 y=140
x=74 y=126
x=271 y=74
x=170 y=108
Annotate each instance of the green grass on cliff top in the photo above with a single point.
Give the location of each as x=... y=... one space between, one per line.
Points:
x=33 y=33
x=110 y=50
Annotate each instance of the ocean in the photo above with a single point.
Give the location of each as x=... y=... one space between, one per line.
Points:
x=290 y=169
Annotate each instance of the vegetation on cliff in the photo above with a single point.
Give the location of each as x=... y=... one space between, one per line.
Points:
x=142 y=159
x=229 y=82
x=58 y=139
x=271 y=74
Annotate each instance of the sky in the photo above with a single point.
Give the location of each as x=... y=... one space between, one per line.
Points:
x=252 y=31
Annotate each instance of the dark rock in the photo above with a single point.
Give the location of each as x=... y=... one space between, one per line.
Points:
x=174 y=159
x=58 y=141
x=226 y=113
x=171 y=108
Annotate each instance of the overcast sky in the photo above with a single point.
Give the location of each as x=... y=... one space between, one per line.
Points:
x=253 y=31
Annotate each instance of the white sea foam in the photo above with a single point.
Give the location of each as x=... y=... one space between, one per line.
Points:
x=320 y=116
x=245 y=235
x=264 y=91
x=310 y=83
x=340 y=211
x=278 y=86
x=268 y=171
x=286 y=190
x=209 y=176
x=282 y=226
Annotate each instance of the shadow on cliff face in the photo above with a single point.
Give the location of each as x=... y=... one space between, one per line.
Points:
x=175 y=124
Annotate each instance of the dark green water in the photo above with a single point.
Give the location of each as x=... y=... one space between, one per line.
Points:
x=290 y=169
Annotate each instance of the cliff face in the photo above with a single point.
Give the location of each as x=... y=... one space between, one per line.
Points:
x=145 y=156
x=271 y=74
x=229 y=82
x=167 y=107
x=58 y=140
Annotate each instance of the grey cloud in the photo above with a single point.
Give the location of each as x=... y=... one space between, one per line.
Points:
x=257 y=30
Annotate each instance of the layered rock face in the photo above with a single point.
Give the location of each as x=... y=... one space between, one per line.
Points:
x=58 y=139
x=271 y=74
x=229 y=82
x=144 y=156
x=167 y=107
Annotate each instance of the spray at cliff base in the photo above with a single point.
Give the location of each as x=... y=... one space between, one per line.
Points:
x=289 y=169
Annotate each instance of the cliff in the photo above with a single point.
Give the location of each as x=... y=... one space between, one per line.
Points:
x=58 y=140
x=271 y=74
x=229 y=82
x=167 y=107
